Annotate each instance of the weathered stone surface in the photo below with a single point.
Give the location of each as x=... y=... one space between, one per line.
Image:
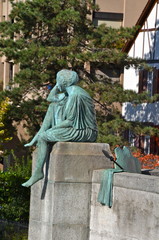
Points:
x=70 y=232
x=60 y=204
x=77 y=160
x=71 y=200
x=135 y=211
x=138 y=182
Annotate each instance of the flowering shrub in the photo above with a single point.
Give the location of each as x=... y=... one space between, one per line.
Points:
x=149 y=161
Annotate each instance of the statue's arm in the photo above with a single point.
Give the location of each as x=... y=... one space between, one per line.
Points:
x=64 y=124
x=54 y=95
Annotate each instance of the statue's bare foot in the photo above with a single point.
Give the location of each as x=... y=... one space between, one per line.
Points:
x=35 y=178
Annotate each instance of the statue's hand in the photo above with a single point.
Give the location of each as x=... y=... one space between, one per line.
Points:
x=29 y=144
x=52 y=95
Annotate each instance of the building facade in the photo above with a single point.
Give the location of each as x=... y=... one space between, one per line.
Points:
x=117 y=13
x=145 y=45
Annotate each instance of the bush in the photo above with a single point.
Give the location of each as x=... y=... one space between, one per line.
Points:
x=13 y=231
x=14 y=199
x=148 y=161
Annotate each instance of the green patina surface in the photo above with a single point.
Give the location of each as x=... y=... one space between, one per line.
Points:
x=128 y=163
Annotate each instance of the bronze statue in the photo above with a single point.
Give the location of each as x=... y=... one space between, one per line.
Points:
x=69 y=118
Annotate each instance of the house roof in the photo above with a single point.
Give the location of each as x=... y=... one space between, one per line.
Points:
x=145 y=13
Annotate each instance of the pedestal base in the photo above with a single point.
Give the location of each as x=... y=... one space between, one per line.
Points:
x=60 y=203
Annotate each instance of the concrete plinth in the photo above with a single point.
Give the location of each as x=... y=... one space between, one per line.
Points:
x=60 y=203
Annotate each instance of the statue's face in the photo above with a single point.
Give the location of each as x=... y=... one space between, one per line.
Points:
x=61 y=86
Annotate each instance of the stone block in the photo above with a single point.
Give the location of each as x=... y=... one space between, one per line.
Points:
x=135 y=211
x=136 y=181
x=34 y=230
x=71 y=203
x=70 y=232
x=39 y=230
x=76 y=161
x=35 y=204
x=60 y=203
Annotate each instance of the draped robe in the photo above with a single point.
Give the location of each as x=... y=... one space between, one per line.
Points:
x=78 y=110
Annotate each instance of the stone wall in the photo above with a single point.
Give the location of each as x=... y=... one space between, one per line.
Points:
x=64 y=204
x=135 y=211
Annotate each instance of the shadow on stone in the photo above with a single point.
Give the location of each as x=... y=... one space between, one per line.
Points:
x=152 y=172
x=47 y=162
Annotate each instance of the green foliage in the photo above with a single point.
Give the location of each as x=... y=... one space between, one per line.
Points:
x=45 y=36
x=14 y=199
x=13 y=231
x=4 y=133
x=51 y=35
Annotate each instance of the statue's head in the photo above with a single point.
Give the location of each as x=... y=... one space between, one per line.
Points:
x=66 y=78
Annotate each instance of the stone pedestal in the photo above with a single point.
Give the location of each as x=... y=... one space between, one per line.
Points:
x=60 y=203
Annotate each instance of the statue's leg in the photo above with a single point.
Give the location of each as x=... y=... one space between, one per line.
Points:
x=41 y=155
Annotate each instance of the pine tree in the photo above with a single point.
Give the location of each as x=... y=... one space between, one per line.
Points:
x=45 y=36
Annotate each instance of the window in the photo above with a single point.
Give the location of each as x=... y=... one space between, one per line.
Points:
x=140 y=141
x=10 y=72
x=143 y=75
x=156 y=81
x=147 y=144
x=110 y=19
x=149 y=81
x=1 y=75
x=154 y=145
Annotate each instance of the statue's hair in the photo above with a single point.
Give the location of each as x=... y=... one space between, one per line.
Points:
x=67 y=77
